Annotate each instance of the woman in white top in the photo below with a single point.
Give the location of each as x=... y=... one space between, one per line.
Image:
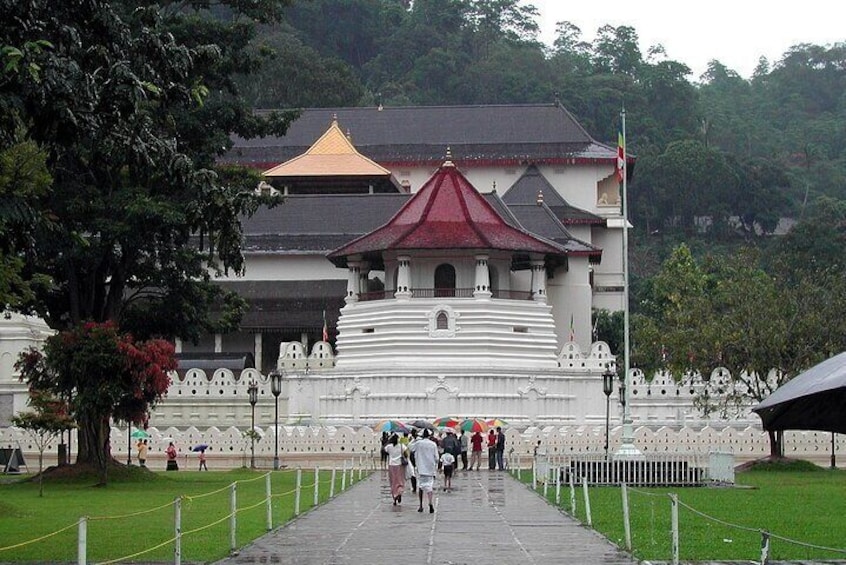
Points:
x=396 y=470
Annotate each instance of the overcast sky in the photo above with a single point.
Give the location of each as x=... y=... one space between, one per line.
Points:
x=735 y=32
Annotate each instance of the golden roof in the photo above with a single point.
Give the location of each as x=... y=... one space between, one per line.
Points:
x=331 y=155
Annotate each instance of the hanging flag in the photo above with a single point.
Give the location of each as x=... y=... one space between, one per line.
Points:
x=325 y=328
x=572 y=329
x=621 y=156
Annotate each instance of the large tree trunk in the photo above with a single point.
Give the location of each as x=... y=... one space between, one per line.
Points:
x=776 y=444
x=94 y=448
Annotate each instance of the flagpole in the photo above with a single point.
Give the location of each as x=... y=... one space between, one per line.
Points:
x=627 y=448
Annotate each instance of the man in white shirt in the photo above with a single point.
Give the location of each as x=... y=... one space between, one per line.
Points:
x=426 y=456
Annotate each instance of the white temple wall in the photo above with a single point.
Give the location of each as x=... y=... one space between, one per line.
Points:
x=569 y=293
x=577 y=184
x=278 y=267
x=17 y=334
x=481 y=333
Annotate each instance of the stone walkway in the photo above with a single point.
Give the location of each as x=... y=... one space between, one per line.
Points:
x=488 y=517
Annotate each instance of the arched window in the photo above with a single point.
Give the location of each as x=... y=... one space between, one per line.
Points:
x=442 y=321
x=445 y=280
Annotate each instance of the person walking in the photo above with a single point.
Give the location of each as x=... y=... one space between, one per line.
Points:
x=203 y=466
x=491 y=450
x=476 y=449
x=450 y=444
x=172 y=465
x=383 y=456
x=465 y=444
x=426 y=455
x=448 y=463
x=396 y=470
x=142 y=452
x=412 y=459
x=500 y=448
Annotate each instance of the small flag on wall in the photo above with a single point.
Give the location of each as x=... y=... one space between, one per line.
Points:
x=325 y=328
x=572 y=329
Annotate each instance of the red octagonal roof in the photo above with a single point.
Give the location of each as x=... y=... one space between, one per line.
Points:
x=447 y=213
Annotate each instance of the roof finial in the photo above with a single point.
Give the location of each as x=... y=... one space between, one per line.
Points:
x=379 y=101
x=540 y=197
x=334 y=118
x=448 y=162
x=494 y=187
x=349 y=135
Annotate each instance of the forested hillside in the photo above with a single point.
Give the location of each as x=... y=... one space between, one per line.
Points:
x=742 y=153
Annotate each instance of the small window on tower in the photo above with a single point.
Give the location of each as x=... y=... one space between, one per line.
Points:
x=442 y=321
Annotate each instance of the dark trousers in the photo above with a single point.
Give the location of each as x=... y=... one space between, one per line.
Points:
x=464 y=460
x=491 y=458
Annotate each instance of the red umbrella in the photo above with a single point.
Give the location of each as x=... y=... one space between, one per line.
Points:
x=496 y=423
x=474 y=425
x=446 y=422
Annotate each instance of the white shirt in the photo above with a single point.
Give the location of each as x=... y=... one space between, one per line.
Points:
x=394 y=453
x=426 y=457
x=447 y=459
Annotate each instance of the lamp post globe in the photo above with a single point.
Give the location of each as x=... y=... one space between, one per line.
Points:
x=276 y=389
x=252 y=391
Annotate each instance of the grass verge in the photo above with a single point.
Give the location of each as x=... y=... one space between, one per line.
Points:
x=725 y=523
x=135 y=512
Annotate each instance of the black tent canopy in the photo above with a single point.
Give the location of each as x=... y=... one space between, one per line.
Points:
x=812 y=400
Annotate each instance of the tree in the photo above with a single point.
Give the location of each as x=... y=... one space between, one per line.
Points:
x=131 y=103
x=729 y=313
x=105 y=374
x=47 y=419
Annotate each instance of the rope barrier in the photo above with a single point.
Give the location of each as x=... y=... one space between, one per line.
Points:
x=51 y=534
x=188 y=498
x=131 y=514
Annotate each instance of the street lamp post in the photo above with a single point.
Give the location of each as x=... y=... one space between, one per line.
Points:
x=276 y=389
x=608 y=388
x=252 y=390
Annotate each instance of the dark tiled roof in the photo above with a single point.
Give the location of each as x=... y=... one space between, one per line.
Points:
x=446 y=213
x=525 y=191
x=318 y=222
x=290 y=304
x=541 y=220
x=420 y=134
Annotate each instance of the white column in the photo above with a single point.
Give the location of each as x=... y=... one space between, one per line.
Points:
x=177 y=345
x=483 y=278
x=538 y=280
x=353 y=281
x=257 y=349
x=403 y=278
x=363 y=274
x=218 y=343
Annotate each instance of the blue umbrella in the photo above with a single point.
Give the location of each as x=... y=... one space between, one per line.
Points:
x=201 y=447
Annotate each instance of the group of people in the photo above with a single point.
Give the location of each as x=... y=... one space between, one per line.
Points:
x=170 y=453
x=417 y=457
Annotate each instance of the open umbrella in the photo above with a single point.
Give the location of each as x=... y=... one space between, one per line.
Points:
x=140 y=434
x=446 y=422
x=474 y=425
x=496 y=423
x=812 y=400
x=391 y=426
x=201 y=447
x=422 y=425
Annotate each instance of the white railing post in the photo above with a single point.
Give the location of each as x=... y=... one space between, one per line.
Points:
x=534 y=475
x=627 y=525
x=332 y=484
x=675 y=525
x=316 y=487
x=344 y=477
x=82 y=541
x=765 y=547
x=297 y=494
x=233 y=517
x=589 y=521
x=177 y=530
x=558 y=486
x=572 y=494
x=269 y=505
x=546 y=483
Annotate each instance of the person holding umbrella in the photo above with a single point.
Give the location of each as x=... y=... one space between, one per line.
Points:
x=142 y=448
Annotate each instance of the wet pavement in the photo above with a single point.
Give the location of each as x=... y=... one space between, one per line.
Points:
x=488 y=517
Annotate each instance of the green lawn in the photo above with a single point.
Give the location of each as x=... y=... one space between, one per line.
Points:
x=806 y=506
x=136 y=512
